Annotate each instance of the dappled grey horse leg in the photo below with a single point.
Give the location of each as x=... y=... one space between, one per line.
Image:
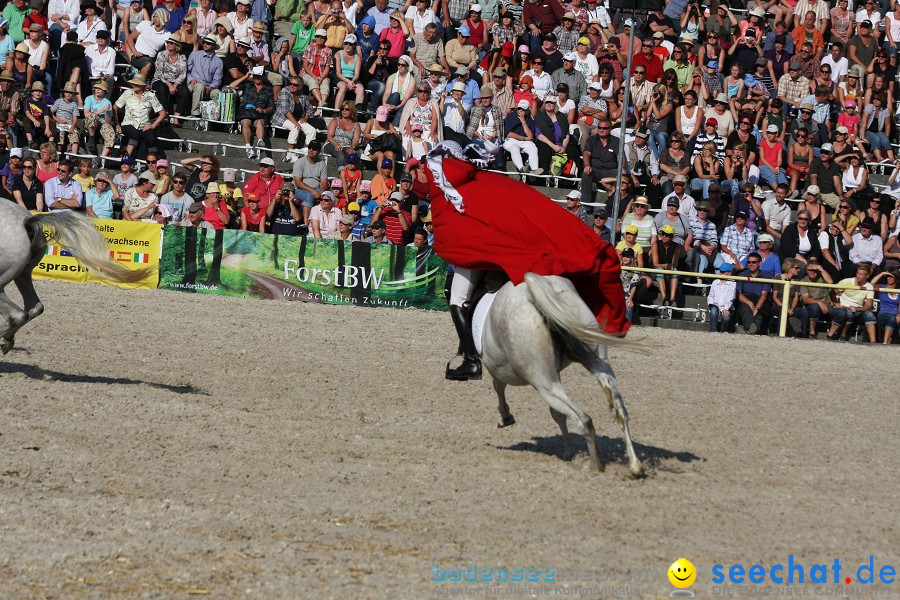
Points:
x=506 y=418
x=559 y=402
x=561 y=421
x=11 y=319
x=601 y=369
x=33 y=305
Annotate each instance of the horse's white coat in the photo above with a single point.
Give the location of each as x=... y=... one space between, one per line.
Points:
x=532 y=332
x=22 y=243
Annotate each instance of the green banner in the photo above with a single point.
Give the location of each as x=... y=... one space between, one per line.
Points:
x=243 y=263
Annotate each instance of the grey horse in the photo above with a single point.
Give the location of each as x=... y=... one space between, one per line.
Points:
x=23 y=241
x=534 y=330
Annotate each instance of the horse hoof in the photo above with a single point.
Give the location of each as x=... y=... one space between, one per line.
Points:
x=637 y=471
x=506 y=421
x=6 y=345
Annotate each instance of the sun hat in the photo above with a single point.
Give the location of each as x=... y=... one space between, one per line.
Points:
x=347 y=220
x=459 y=86
x=70 y=87
x=487 y=91
x=137 y=80
x=23 y=48
x=244 y=42
x=765 y=237
x=37 y=86
x=642 y=200
x=147 y=176
x=6 y=75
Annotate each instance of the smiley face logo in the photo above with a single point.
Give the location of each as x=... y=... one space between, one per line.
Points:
x=682 y=573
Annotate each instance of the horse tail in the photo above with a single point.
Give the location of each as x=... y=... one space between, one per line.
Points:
x=562 y=311
x=76 y=233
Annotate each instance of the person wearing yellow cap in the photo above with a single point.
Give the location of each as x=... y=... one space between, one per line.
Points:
x=585 y=62
x=665 y=254
x=645 y=235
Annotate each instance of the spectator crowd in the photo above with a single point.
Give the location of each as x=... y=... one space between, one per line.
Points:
x=751 y=126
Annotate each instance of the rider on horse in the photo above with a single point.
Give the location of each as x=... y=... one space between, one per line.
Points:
x=485 y=221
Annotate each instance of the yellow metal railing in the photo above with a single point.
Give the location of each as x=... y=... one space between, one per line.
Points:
x=786 y=284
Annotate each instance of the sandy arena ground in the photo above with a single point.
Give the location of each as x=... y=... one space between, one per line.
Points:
x=164 y=445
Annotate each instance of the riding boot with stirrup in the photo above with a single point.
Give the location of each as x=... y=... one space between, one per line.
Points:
x=471 y=366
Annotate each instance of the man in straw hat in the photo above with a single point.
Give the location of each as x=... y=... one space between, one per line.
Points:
x=139 y=105
x=486 y=122
x=10 y=99
x=204 y=73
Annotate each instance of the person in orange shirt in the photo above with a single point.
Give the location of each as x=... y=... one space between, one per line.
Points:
x=808 y=29
x=383 y=184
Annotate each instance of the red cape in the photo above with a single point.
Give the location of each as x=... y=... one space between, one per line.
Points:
x=511 y=226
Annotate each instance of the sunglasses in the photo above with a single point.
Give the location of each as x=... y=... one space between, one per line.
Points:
x=603 y=128
x=27 y=166
x=177 y=181
x=754 y=262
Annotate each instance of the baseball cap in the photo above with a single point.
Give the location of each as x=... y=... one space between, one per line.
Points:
x=827 y=147
x=267 y=162
x=321 y=33
x=381 y=113
x=673 y=201
x=379 y=224
x=642 y=133
x=347 y=220
x=667 y=229
x=627 y=252
x=195 y=207
x=464 y=31
x=314 y=145
x=365 y=186
x=772 y=128
x=398 y=196
x=841 y=129
x=574 y=195
x=228 y=175
x=570 y=56
x=712 y=121
x=15 y=152
x=387 y=164
x=814 y=190
x=337 y=184
x=353 y=206
x=765 y=237
x=601 y=213
x=740 y=214
x=680 y=179
x=795 y=64
x=659 y=35
x=631 y=229
x=405 y=177
x=714 y=64
x=596 y=85
x=523 y=104
x=584 y=41
x=147 y=176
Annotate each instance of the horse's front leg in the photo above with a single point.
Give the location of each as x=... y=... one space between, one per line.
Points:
x=506 y=418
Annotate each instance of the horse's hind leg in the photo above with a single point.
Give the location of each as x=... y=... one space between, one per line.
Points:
x=564 y=428
x=560 y=404
x=11 y=319
x=602 y=370
x=33 y=305
x=506 y=418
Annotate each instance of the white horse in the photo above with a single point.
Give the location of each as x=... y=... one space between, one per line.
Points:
x=534 y=330
x=23 y=243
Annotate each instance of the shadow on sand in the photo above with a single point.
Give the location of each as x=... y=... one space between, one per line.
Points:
x=612 y=450
x=35 y=372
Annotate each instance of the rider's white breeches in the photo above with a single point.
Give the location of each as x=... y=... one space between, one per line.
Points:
x=464 y=283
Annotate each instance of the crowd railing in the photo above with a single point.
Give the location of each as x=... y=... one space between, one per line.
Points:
x=786 y=285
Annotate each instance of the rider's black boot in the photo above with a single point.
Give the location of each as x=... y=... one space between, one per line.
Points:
x=471 y=366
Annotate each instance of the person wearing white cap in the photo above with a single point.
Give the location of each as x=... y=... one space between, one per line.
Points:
x=454 y=113
x=519 y=126
x=570 y=76
x=317 y=59
x=348 y=68
x=591 y=108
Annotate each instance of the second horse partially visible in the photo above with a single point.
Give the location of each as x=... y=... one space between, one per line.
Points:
x=22 y=244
